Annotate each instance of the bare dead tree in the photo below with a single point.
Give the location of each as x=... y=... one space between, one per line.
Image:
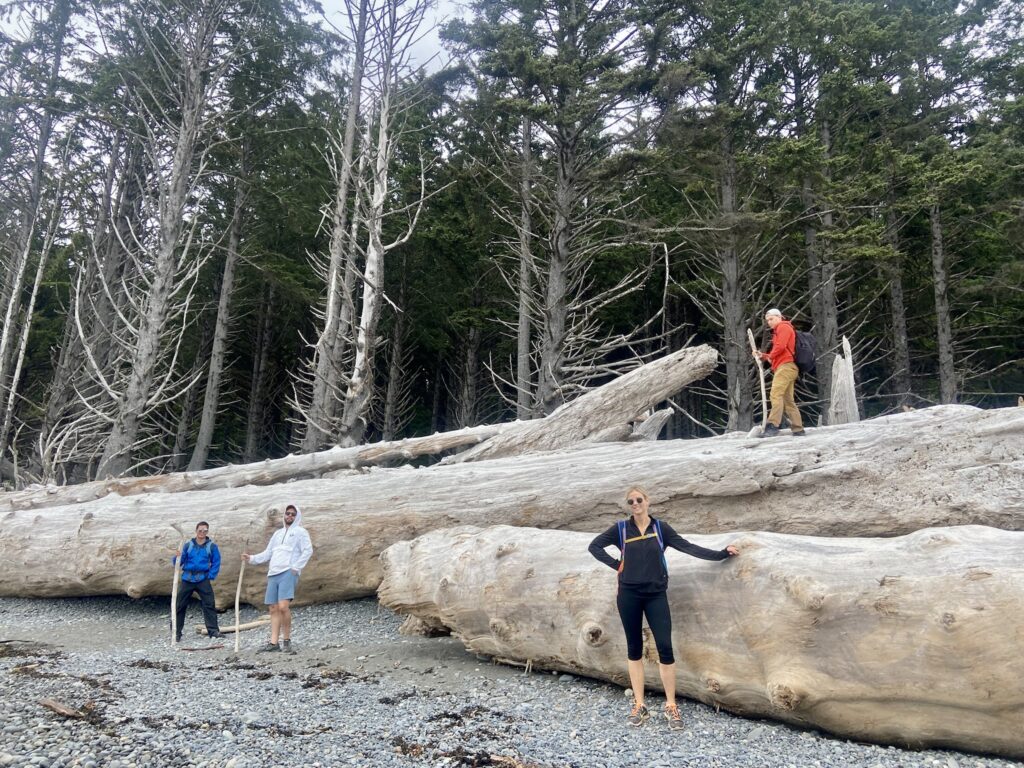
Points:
x=178 y=102
x=26 y=133
x=329 y=352
x=394 y=28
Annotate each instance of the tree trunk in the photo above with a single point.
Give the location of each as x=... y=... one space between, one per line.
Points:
x=553 y=332
x=910 y=641
x=211 y=397
x=943 y=320
x=330 y=347
x=255 y=417
x=898 y=314
x=524 y=357
x=948 y=465
x=737 y=359
x=466 y=407
x=396 y=394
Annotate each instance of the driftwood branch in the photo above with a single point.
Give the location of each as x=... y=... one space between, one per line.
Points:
x=260 y=622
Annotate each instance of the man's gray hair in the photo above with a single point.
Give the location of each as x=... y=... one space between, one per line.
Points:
x=773 y=311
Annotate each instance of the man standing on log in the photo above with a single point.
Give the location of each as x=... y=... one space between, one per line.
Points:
x=200 y=564
x=782 y=358
x=288 y=551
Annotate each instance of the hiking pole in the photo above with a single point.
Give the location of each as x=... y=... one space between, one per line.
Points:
x=174 y=586
x=238 y=594
x=760 y=374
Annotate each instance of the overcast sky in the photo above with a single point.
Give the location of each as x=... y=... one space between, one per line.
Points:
x=429 y=48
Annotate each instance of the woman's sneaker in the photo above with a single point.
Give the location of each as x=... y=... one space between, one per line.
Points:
x=675 y=720
x=269 y=648
x=638 y=715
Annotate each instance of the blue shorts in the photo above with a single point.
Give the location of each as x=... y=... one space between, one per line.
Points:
x=281 y=586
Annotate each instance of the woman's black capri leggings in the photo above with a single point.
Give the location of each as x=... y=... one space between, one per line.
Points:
x=633 y=605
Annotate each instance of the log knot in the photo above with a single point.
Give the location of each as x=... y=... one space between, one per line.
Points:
x=783 y=697
x=506 y=549
x=593 y=634
x=500 y=629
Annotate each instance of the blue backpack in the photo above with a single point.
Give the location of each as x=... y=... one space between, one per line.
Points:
x=623 y=541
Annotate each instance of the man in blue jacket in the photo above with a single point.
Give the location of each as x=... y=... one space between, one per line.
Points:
x=200 y=564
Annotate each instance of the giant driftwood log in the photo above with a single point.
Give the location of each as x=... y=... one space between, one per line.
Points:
x=601 y=415
x=912 y=640
x=599 y=409
x=948 y=465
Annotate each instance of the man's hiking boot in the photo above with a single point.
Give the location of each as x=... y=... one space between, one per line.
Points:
x=769 y=431
x=675 y=720
x=638 y=715
x=215 y=634
x=269 y=648
x=800 y=433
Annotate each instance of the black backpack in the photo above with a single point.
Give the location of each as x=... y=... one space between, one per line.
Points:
x=806 y=353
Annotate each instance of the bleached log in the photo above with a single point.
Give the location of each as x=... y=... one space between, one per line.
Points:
x=842 y=407
x=651 y=427
x=948 y=465
x=624 y=399
x=912 y=640
x=268 y=472
x=610 y=407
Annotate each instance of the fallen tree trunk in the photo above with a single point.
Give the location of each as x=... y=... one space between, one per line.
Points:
x=949 y=465
x=605 y=407
x=268 y=472
x=612 y=406
x=912 y=640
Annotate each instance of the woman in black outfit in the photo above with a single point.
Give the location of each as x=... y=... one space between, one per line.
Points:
x=643 y=581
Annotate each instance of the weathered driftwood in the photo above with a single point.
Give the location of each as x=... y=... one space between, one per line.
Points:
x=61 y=709
x=754 y=351
x=912 y=640
x=611 y=407
x=624 y=399
x=842 y=408
x=237 y=628
x=269 y=472
x=948 y=465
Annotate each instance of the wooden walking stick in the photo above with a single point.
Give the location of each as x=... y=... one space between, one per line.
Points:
x=238 y=595
x=760 y=373
x=174 y=586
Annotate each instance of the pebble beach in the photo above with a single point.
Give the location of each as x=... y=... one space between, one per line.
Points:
x=355 y=692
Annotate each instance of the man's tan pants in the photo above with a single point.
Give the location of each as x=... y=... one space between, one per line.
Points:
x=783 y=384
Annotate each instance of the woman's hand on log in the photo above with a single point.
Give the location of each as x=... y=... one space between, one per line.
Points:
x=732 y=550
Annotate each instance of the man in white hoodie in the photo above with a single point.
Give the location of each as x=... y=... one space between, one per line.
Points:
x=288 y=552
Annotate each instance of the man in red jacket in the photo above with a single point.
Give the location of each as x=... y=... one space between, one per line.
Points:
x=784 y=375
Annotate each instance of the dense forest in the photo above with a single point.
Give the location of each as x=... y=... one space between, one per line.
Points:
x=235 y=229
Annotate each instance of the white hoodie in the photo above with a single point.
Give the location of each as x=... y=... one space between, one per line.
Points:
x=289 y=547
